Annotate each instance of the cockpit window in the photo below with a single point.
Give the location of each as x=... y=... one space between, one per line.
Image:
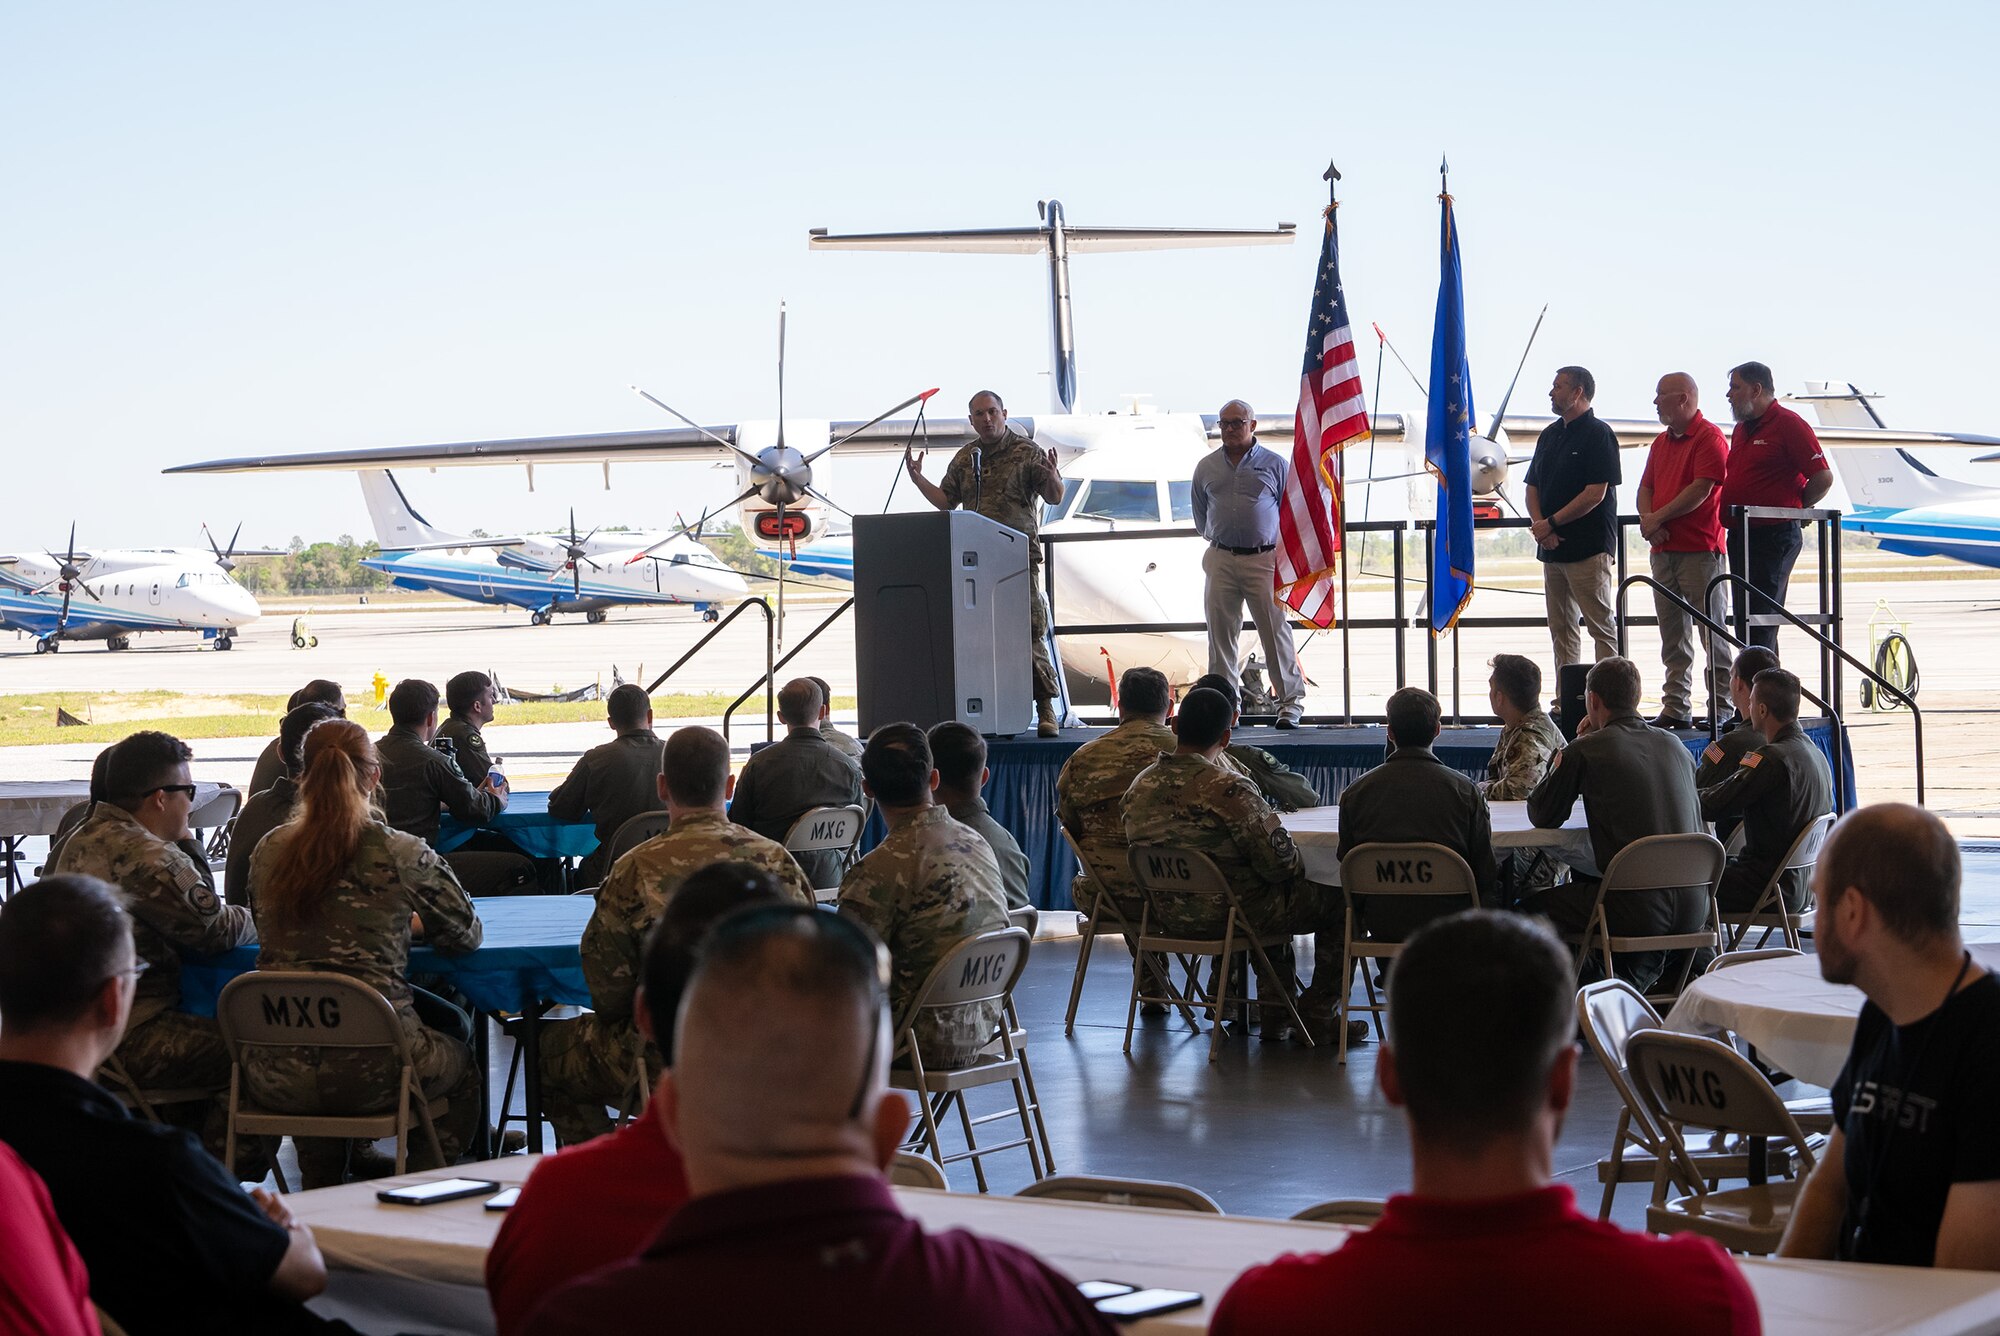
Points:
x=1180 y=494
x=1055 y=511
x=680 y=559
x=1130 y=501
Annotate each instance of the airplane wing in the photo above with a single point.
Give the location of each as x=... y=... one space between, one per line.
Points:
x=671 y=444
x=1634 y=433
x=1035 y=240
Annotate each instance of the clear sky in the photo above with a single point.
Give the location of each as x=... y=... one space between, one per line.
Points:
x=236 y=228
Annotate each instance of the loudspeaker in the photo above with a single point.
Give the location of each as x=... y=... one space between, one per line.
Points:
x=941 y=625
x=1569 y=697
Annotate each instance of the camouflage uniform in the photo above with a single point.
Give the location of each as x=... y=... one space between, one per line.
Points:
x=174 y=910
x=1283 y=787
x=931 y=884
x=362 y=929
x=588 y=1063
x=1521 y=757
x=610 y=784
x=469 y=745
x=1185 y=802
x=1090 y=792
x=848 y=745
x=1012 y=476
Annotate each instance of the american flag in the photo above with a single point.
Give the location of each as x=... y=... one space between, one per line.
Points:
x=1332 y=415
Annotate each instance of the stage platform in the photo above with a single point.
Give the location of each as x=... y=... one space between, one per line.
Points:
x=1022 y=791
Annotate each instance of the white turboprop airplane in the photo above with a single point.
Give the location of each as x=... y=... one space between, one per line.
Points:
x=1129 y=468
x=542 y=574
x=115 y=594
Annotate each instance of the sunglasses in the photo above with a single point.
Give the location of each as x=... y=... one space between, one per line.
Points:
x=188 y=789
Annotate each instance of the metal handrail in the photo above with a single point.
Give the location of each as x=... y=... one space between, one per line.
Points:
x=771 y=674
x=1716 y=628
x=1827 y=644
x=770 y=650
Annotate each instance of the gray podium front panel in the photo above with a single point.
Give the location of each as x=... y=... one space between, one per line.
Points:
x=941 y=625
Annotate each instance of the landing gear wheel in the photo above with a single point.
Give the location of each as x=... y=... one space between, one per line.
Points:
x=594 y=618
x=47 y=645
x=710 y=615
x=118 y=642
x=538 y=619
x=223 y=644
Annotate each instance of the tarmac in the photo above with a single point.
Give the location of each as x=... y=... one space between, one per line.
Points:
x=1952 y=622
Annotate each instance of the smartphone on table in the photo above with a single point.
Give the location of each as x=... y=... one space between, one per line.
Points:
x=437 y=1190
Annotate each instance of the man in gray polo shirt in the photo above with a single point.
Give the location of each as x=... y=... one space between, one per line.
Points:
x=1236 y=494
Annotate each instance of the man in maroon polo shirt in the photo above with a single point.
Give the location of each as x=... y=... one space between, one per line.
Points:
x=1485 y=1088
x=1774 y=460
x=1680 y=498
x=777 y=1103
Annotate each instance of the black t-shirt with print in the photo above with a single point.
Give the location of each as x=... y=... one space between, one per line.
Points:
x=1918 y=1104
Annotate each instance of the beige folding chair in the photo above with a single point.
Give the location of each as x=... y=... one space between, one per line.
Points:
x=1103 y=905
x=1390 y=869
x=823 y=829
x=917 y=1171
x=980 y=969
x=312 y=1009
x=1655 y=864
x=1165 y=874
x=634 y=831
x=1730 y=958
x=1813 y=1112
x=1610 y=1012
x=1769 y=912
x=1361 y=1212
x=1147 y=1192
x=213 y=823
x=1692 y=1081
x=113 y=1076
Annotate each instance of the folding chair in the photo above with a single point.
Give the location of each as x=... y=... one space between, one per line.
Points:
x=1150 y=1193
x=634 y=831
x=313 y=1009
x=148 y=1102
x=917 y=1171
x=823 y=829
x=1770 y=912
x=1813 y=1112
x=1729 y=958
x=1103 y=905
x=1610 y=1012
x=981 y=968
x=1658 y=864
x=1361 y=1212
x=1390 y=869
x=213 y=823
x=1188 y=874
x=1691 y=1081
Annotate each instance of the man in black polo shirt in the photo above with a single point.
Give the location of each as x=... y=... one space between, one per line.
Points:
x=172 y=1243
x=1572 y=492
x=1911 y=1175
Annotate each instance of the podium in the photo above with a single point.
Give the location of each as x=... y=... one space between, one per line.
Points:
x=941 y=624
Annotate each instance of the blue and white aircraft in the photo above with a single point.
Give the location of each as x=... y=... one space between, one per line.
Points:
x=113 y=595
x=543 y=574
x=1909 y=508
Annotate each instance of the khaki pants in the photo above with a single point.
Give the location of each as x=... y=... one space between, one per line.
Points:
x=1688 y=574
x=1234 y=581
x=1580 y=589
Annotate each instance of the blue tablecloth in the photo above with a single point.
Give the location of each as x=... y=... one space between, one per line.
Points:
x=530 y=953
x=526 y=821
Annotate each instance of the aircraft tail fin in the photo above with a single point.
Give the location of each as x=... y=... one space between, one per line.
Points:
x=1840 y=403
x=1895 y=479
x=398 y=527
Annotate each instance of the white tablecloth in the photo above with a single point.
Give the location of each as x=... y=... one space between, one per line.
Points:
x=36 y=806
x=1795 y=1019
x=1316 y=831
x=394 y=1262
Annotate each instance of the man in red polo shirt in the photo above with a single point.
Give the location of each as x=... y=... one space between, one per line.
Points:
x=601 y=1201
x=1774 y=460
x=1680 y=500
x=1485 y=1089
x=777 y=1103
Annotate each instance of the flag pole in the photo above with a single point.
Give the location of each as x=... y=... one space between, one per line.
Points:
x=1332 y=179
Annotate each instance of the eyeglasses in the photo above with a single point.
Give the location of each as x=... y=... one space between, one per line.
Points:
x=188 y=789
x=138 y=967
x=866 y=948
x=1233 y=421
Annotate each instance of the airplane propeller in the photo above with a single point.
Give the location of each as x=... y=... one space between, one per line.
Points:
x=224 y=557
x=69 y=576
x=574 y=557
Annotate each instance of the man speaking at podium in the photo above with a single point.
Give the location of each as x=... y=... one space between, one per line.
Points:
x=1006 y=478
